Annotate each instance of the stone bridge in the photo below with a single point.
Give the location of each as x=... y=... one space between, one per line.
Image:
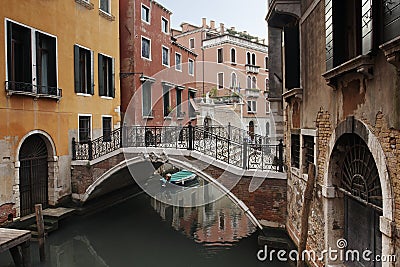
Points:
x=262 y=190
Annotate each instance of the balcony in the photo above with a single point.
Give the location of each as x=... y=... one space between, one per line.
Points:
x=20 y=88
x=252 y=69
x=282 y=12
x=252 y=92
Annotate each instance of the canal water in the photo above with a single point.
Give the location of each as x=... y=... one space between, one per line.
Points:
x=144 y=232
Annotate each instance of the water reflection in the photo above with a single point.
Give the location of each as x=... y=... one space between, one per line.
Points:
x=132 y=234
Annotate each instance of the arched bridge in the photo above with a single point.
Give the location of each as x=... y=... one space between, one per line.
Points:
x=248 y=165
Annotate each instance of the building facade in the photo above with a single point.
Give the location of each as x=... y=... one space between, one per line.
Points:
x=59 y=72
x=232 y=67
x=157 y=73
x=340 y=66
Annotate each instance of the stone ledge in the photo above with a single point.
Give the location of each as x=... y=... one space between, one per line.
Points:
x=86 y=4
x=106 y=15
x=392 y=52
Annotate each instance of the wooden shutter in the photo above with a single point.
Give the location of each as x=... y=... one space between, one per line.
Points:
x=112 y=88
x=366 y=26
x=91 y=86
x=9 y=52
x=391 y=17
x=329 y=33
x=101 y=76
x=76 y=70
x=52 y=61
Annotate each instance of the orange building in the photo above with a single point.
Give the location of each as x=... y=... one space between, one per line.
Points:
x=60 y=81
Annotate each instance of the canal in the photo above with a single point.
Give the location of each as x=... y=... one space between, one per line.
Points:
x=145 y=232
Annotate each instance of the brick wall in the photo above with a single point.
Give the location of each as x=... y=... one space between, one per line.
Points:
x=6 y=210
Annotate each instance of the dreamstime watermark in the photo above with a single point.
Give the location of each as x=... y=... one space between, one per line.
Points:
x=339 y=254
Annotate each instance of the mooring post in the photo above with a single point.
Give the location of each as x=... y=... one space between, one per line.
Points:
x=305 y=212
x=40 y=229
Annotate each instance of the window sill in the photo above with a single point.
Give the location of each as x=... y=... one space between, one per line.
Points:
x=251 y=112
x=85 y=4
x=180 y=118
x=168 y=118
x=358 y=68
x=148 y=117
x=392 y=52
x=107 y=97
x=106 y=15
x=83 y=94
x=233 y=63
x=293 y=93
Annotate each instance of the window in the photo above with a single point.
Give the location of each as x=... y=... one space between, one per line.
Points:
x=165 y=56
x=146 y=99
x=233 y=55
x=192 y=109
x=178 y=61
x=220 y=55
x=145 y=14
x=83 y=66
x=266 y=63
x=248 y=82
x=295 y=150
x=251 y=106
x=267 y=130
x=266 y=106
x=308 y=151
x=166 y=102
x=267 y=84
x=248 y=58
x=107 y=128
x=105 y=6
x=146 y=48
x=233 y=81
x=253 y=59
x=46 y=64
x=84 y=128
x=191 y=67
x=20 y=47
x=191 y=43
x=254 y=83
x=164 y=25
x=106 y=76
x=179 y=113
x=220 y=80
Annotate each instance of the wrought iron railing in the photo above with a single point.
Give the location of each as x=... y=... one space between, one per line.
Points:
x=13 y=87
x=214 y=141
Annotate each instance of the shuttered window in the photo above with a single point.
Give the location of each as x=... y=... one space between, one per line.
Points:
x=46 y=64
x=83 y=68
x=166 y=102
x=391 y=19
x=106 y=76
x=146 y=99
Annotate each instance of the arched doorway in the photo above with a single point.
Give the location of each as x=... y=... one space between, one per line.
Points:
x=33 y=174
x=251 y=130
x=356 y=177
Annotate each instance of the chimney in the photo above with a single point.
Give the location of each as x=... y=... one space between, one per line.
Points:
x=212 y=24
x=245 y=32
x=204 y=22
x=222 y=28
x=233 y=29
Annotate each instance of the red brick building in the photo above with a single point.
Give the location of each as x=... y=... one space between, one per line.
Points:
x=156 y=72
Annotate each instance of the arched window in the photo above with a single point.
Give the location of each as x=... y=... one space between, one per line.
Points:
x=233 y=55
x=254 y=82
x=248 y=58
x=248 y=82
x=253 y=59
x=233 y=81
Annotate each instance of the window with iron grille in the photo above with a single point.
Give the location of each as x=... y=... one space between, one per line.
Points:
x=84 y=128
x=295 y=150
x=308 y=151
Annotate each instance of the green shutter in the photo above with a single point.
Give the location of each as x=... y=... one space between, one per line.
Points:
x=76 y=70
x=112 y=88
x=391 y=17
x=366 y=26
x=329 y=33
x=91 y=72
x=101 y=76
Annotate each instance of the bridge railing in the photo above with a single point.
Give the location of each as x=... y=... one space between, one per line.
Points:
x=215 y=141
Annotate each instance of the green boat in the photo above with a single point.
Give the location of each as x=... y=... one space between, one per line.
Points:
x=182 y=178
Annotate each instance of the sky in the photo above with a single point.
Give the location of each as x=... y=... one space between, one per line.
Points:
x=244 y=15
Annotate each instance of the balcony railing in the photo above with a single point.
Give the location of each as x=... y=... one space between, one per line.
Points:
x=252 y=68
x=29 y=89
x=228 y=144
x=252 y=92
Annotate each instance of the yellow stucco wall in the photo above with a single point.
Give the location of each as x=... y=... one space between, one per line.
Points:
x=71 y=23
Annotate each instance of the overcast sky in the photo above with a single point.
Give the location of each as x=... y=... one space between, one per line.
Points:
x=244 y=15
